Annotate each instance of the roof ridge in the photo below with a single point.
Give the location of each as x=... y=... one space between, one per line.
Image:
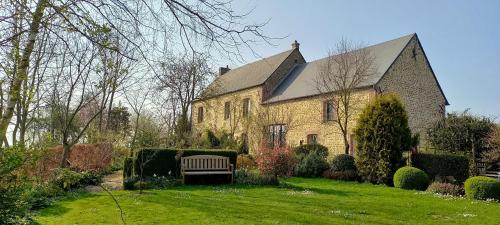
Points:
x=370 y=46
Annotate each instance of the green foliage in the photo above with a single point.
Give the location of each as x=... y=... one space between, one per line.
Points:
x=382 y=135
x=442 y=165
x=66 y=178
x=306 y=149
x=128 y=182
x=311 y=164
x=14 y=207
x=211 y=139
x=458 y=132
x=343 y=162
x=253 y=177
x=446 y=189
x=166 y=162
x=480 y=187
x=149 y=133
x=411 y=178
x=347 y=175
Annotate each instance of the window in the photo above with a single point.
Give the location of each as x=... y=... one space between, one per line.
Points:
x=277 y=134
x=200 y=114
x=227 y=110
x=312 y=139
x=329 y=111
x=246 y=107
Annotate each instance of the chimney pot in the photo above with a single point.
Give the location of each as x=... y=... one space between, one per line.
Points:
x=223 y=70
x=295 y=45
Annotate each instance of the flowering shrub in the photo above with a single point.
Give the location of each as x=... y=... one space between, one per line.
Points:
x=275 y=161
x=446 y=189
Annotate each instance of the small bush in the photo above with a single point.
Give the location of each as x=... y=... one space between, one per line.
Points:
x=480 y=187
x=246 y=162
x=306 y=149
x=161 y=182
x=411 y=178
x=252 y=177
x=442 y=165
x=312 y=164
x=446 y=189
x=343 y=162
x=276 y=161
x=348 y=175
x=66 y=178
x=128 y=183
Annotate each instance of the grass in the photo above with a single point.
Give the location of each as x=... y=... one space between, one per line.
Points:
x=298 y=201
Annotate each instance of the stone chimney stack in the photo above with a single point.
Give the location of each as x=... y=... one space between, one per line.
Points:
x=223 y=70
x=295 y=45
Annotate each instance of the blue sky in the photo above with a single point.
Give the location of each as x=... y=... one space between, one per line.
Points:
x=461 y=38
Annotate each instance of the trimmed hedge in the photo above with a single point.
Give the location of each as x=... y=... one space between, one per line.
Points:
x=411 y=178
x=481 y=187
x=442 y=165
x=166 y=162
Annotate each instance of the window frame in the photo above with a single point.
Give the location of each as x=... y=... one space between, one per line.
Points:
x=277 y=134
x=333 y=114
x=227 y=110
x=201 y=112
x=246 y=107
x=311 y=140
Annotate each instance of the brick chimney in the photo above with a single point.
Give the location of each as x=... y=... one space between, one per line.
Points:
x=295 y=45
x=223 y=70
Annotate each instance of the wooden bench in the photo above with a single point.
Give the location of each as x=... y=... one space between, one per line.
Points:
x=205 y=165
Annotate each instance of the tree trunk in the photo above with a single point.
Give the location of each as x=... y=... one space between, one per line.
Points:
x=65 y=156
x=346 y=144
x=22 y=73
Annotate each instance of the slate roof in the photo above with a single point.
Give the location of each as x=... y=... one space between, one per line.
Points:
x=246 y=76
x=301 y=80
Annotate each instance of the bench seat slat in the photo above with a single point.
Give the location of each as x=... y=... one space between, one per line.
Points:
x=206 y=172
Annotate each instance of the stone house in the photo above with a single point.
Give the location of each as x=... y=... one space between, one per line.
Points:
x=276 y=97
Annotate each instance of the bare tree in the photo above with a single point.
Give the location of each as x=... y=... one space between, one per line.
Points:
x=75 y=95
x=145 y=25
x=344 y=71
x=184 y=78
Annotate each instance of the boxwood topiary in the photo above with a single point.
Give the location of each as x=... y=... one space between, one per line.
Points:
x=411 y=178
x=481 y=187
x=343 y=162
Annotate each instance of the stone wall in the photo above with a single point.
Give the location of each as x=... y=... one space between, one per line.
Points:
x=411 y=77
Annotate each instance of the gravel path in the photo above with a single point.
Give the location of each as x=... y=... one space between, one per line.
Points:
x=111 y=182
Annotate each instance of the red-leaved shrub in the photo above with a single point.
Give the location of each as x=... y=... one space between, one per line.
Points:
x=275 y=161
x=83 y=157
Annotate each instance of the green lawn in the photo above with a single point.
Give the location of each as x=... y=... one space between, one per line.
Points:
x=302 y=201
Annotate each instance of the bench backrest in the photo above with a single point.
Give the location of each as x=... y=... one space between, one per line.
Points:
x=205 y=162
